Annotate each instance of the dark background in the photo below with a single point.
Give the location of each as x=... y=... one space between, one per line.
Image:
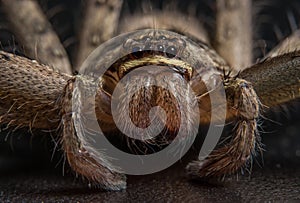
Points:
x=29 y=172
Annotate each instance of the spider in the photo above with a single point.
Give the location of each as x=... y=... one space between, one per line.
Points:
x=38 y=94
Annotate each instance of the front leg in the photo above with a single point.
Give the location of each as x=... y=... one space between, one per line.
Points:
x=83 y=159
x=35 y=96
x=243 y=106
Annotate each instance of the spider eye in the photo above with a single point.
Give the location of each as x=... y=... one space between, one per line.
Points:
x=171 y=51
x=131 y=52
x=160 y=47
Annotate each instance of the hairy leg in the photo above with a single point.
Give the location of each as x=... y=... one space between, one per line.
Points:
x=243 y=104
x=85 y=160
x=36 y=34
x=25 y=101
x=99 y=24
x=290 y=44
x=234 y=32
x=276 y=80
x=35 y=96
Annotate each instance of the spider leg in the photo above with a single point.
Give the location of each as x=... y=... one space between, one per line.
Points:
x=36 y=34
x=29 y=93
x=82 y=158
x=243 y=106
x=290 y=44
x=276 y=80
x=41 y=98
x=99 y=24
x=234 y=32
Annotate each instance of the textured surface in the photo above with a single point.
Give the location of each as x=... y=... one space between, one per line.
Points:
x=265 y=184
x=278 y=179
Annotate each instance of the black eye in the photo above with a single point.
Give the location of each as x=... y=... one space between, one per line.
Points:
x=171 y=51
x=160 y=47
x=136 y=49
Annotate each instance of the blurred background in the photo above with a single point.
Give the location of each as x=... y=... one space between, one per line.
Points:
x=32 y=167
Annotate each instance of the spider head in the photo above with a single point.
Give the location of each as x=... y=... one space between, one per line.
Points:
x=151 y=82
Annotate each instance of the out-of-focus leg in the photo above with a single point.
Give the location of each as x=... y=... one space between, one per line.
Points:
x=99 y=24
x=290 y=44
x=234 y=32
x=35 y=33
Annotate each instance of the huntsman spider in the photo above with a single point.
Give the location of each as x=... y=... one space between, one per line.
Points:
x=38 y=91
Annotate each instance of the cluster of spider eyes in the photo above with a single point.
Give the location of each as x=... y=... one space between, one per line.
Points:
x=170 y=51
